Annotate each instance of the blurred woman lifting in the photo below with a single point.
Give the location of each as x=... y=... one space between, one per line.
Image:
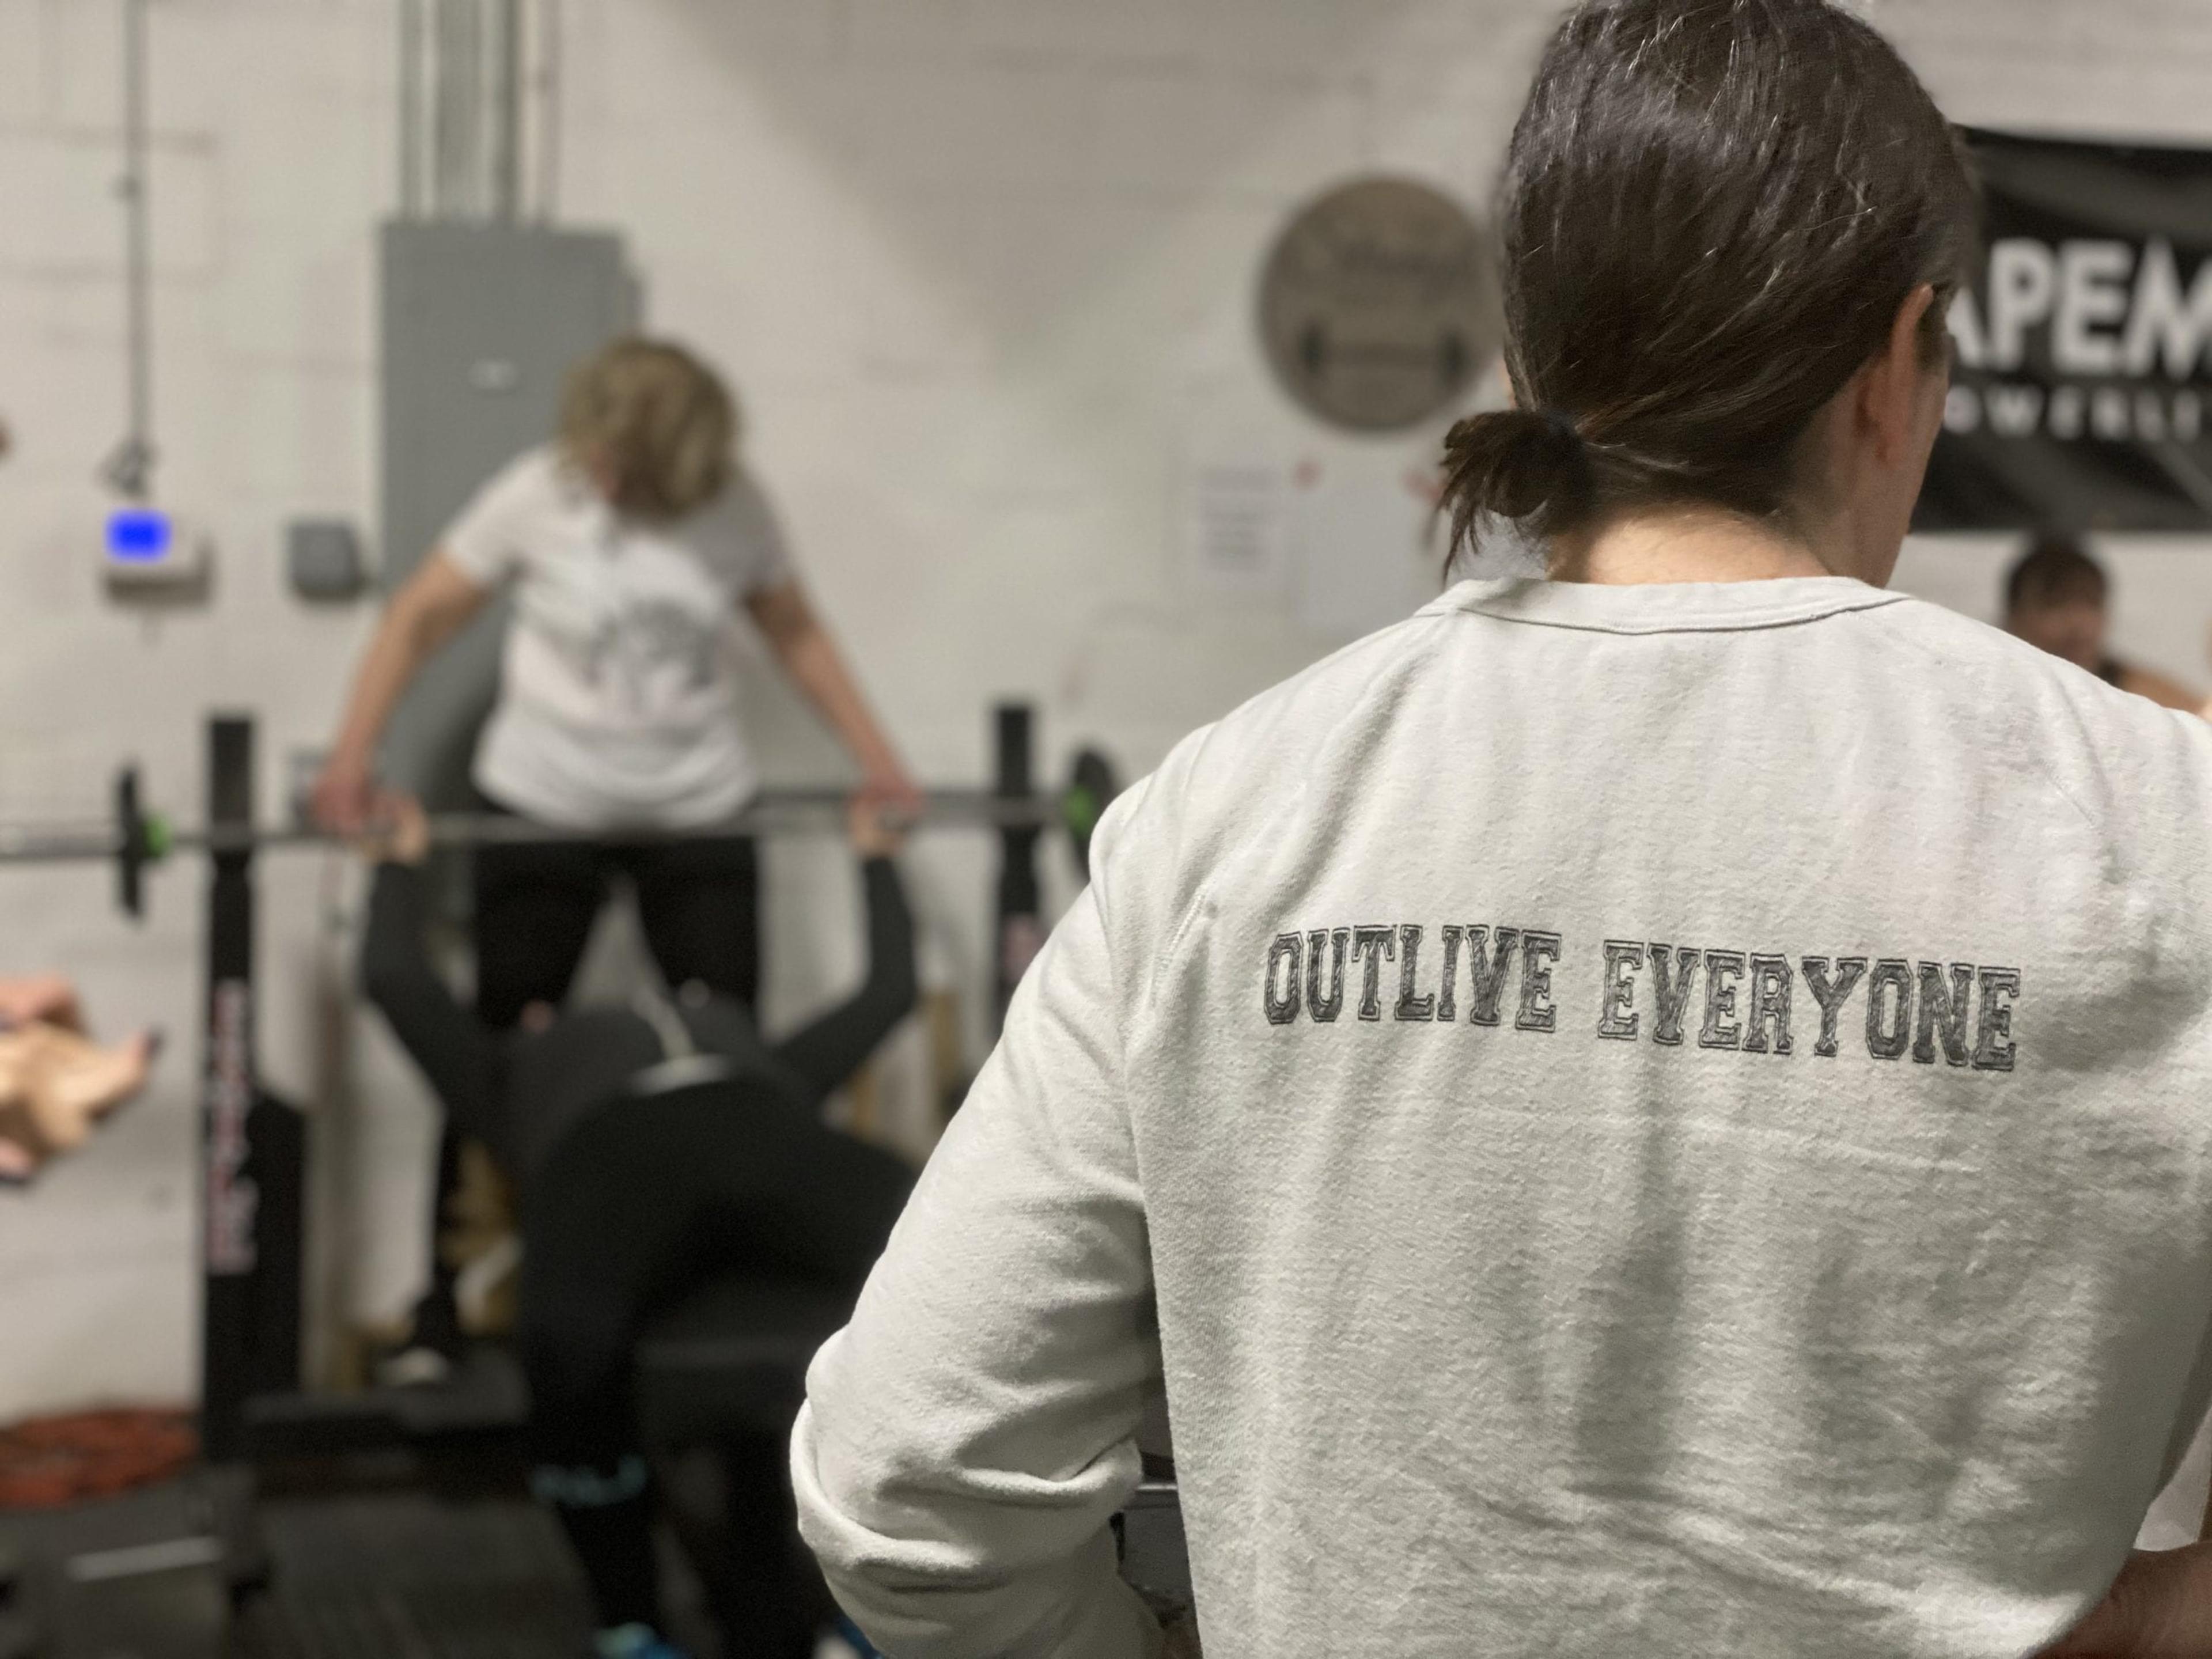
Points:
x=629 y=541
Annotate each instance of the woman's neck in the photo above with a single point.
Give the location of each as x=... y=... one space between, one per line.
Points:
x=1693 y=544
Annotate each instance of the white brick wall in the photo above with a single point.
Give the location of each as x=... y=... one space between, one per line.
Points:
x=979 y=268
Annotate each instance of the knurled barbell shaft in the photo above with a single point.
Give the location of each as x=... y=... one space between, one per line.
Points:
x=787 y=811
x=51 y=844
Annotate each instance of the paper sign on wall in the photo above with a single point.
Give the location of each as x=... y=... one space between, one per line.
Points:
x=1235 y=533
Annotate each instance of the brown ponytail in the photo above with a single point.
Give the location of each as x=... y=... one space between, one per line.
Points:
x=1711 y=213
x=1532 y=468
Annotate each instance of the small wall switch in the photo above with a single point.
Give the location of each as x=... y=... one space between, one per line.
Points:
x=323 y=556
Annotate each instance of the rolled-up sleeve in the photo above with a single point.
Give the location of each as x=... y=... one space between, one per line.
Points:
x=968 y=1437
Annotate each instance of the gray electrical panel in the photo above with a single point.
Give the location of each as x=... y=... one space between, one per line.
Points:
x=480 y=323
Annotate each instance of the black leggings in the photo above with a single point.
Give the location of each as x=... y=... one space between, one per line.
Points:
x=639 y=1204
x=698 y=900
x=535 y=905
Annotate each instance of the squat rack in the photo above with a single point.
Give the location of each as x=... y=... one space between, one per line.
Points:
x=253 y=1143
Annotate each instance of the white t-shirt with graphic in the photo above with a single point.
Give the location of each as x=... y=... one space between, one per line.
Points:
x=619 y=697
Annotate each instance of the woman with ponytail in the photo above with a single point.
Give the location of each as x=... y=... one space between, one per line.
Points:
x=1662 y=1110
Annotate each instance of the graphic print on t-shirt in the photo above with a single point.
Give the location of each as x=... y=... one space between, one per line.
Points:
x=640 y=627
x=1642 y=990
x=652 y=654
x=618 y=695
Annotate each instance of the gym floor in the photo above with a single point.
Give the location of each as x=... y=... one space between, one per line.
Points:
x=395 y=1574
x=407 y=1573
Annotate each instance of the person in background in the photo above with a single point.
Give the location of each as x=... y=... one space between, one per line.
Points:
x=656 y=1146
x=630 y=540
x=56 y=1084
x=2057 y=598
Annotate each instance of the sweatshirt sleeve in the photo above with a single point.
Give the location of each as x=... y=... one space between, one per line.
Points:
x=968 y=1438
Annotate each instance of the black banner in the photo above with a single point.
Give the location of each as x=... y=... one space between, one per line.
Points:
x=2082 y=399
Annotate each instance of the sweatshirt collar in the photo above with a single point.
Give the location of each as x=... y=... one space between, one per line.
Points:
x=1663 y=608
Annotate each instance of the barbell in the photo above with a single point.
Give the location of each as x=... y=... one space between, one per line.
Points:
x=134 y=838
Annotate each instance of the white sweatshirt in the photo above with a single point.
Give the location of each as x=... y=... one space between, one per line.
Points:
x=1667 y=1121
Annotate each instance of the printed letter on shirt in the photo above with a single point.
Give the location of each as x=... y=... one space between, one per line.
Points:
x=1888 y=1034
x=1286 y=960
x=1448 y=998
x=1670 y=989
x=1993 y=1045
x=1489 y=971
x=1326 y=1009
x=1538 y=952
x=1770 y=980
x=1616 y=1015
x=1373 y=945
x=1723 y=970
x=1832 y=996
x=1943 y=1011
x=1411 y=1007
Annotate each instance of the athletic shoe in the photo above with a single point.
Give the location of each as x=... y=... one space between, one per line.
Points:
x=634 y=1641
x=413 y=1367
x=432 y=1348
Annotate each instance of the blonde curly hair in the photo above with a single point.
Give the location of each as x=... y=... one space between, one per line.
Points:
x=652 y=424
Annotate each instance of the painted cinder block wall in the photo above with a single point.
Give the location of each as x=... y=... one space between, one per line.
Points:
x=982 y=272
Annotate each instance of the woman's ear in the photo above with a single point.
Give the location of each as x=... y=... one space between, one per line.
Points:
x=1894 y=389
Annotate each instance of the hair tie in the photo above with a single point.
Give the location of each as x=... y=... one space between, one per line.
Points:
x=1564 y=425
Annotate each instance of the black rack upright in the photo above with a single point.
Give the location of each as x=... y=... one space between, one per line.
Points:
x=253 y=1146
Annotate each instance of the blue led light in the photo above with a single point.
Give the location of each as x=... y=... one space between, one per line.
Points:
x=138 y=535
